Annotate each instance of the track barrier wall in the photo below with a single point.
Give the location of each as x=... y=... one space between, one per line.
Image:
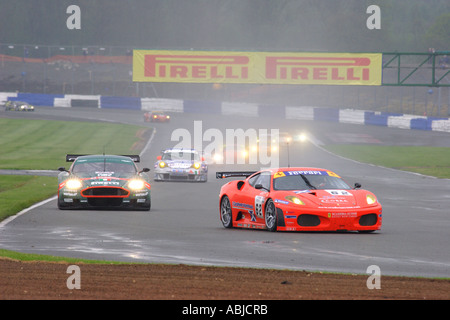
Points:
x=361 y=117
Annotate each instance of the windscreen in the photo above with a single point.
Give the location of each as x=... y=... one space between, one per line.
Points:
x=306 y=180
x=181 y=155
x=103 y=165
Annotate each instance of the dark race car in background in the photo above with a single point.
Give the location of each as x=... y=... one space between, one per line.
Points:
x=297 y=199
x=103 y=181
x=18 y=106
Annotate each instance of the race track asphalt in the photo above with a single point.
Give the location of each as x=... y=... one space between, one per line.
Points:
x=184 y=227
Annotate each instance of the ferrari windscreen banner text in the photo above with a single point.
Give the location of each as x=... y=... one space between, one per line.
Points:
x=257 y=67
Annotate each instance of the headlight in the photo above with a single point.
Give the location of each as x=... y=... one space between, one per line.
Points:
x=217 y=157
x=136 y=184
x=73 y=184
x=371 y=199
x=162 y=164
x=302 y=137
x=196 y=165
x=295 y=200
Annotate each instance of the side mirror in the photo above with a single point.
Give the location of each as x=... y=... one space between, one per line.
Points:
x=62 y=169
x=144 y=170
x=260 y=186
x=357 y=185
x=158 y=158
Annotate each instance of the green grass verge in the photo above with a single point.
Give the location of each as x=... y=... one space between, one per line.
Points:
x=43 y=144
x=20 y=192
x=40 y=257
x=431 y=161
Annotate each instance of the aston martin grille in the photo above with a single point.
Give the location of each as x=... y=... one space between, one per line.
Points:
x=105 y=192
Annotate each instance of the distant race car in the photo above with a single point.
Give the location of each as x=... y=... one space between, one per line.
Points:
x=18 y=106
x=103 y=181
x=181 y=165
x=156 y=116
x=229 y=154
x=297 y=199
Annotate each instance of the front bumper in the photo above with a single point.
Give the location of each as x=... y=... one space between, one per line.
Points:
x=169 y=174
x=330 y=219
x=121 y=199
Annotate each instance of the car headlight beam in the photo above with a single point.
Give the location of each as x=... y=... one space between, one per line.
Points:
x=295 y=200
x=73 y=184
x=136 y=184
x=371 y=199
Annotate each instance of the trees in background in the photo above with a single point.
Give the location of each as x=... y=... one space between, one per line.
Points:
x=301 y=25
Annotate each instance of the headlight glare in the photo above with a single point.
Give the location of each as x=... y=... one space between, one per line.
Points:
x=73 y=184
x=295 y=200
x=196 y=165
x=371 y=199
x=217 y=157
x=136 y=184
x=162 y=164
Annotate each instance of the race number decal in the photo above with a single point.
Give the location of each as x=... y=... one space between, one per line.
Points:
x=339 y=192
x=259 y=203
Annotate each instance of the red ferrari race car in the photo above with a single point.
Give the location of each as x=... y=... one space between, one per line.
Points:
x=156 y=116
x=297 y=199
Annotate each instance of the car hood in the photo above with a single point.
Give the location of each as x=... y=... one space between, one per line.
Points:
x=179 y=164
x=105 y=178
x=331 y=198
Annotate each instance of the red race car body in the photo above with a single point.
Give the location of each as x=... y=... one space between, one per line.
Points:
x=297 y=199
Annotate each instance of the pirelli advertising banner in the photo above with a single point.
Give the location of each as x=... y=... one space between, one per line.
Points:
x=257 y=67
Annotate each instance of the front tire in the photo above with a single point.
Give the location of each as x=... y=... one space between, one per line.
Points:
x=62 y=205
x=270 y=216
x=145 y=207
x=226 y=215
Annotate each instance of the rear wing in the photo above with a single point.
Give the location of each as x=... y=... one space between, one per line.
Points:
x=228 y=174
x=73 y=157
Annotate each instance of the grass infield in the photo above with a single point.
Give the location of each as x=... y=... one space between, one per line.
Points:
x=43 y=145
x=431 y=161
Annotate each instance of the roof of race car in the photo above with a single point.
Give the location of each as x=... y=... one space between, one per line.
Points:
x=278 y=172
x=304 y=170
x=180 y=150
x=19 y=102
x=100 y=157
x=108 y=158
